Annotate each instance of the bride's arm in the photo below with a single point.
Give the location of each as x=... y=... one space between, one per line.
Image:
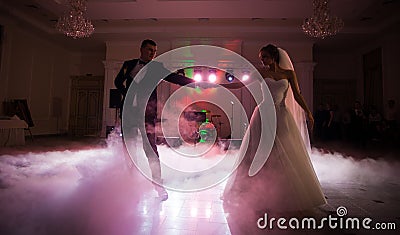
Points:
x=298 y=97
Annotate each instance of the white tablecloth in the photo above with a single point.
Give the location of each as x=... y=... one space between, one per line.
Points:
x=12 y=132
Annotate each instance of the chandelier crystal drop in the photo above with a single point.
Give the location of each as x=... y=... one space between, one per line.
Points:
x=321 y=24
x=74 y=24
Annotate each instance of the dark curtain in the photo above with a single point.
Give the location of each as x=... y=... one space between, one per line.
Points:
x=373 y=85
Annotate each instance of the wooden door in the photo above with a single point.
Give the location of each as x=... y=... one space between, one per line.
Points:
x=86 y=106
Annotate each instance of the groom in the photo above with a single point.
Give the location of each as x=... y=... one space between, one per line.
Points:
x=127 y=74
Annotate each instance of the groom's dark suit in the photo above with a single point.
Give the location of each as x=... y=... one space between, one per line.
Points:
x=154 y=73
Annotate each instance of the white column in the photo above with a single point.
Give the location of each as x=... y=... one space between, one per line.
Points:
x=305 y=75
x=110 y=118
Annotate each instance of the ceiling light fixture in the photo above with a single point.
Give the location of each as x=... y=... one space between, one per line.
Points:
x=321 y=24
x=74 y=24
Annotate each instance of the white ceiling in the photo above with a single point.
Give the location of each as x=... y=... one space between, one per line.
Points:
x=232 y=19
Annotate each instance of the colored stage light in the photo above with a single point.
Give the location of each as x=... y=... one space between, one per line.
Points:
x=245 y=76
x=197 y=77
x=212 y=77
x=229 y=75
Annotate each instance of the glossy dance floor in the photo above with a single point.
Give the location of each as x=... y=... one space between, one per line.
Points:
x=89 y=189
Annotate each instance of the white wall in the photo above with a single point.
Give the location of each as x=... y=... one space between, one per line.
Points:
x=37 y=69
x=84 y=63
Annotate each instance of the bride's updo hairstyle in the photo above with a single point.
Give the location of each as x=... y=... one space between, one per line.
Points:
x=273 y=51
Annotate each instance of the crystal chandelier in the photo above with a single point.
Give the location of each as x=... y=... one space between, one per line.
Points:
x=321 y=24
x=74 y=24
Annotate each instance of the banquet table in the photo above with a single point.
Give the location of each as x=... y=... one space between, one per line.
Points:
x=12 y=132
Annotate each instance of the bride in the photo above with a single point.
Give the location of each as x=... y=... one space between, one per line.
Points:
x=287 y=181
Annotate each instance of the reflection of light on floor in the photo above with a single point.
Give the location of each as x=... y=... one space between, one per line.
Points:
x=175 y=211
x=145 y=211
x=193 y=211
x=172 y=211
x=208 y=212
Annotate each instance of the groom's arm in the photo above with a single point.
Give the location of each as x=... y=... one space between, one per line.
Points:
x=178 y=79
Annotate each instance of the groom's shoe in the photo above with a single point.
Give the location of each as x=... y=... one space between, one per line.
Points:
x=162 y=193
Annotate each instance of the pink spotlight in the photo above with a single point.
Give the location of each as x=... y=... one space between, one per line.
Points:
x=197 y=77
x=212 y=77
x=245 y=77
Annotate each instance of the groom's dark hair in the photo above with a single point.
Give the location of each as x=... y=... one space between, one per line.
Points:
x=272 y=50
x=147 y=42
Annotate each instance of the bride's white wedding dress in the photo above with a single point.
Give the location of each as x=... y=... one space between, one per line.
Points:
x=287 y=181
